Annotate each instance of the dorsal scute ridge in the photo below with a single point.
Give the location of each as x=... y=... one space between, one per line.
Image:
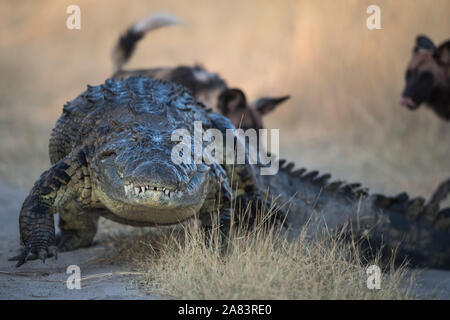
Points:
x=322 y=181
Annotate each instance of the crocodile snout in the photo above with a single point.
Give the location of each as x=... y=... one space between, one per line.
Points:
x=156 y=175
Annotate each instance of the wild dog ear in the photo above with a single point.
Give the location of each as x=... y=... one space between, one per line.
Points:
x=231 y=100
x=442 y=54
x=423 y=42
x=266 y=105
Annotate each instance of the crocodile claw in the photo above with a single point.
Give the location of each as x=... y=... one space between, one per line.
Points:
x=32 y=253
x=42 y=254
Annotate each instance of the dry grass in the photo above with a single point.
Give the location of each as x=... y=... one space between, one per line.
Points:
x=260 y=265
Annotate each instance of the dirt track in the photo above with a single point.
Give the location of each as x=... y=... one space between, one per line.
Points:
x=35 y=280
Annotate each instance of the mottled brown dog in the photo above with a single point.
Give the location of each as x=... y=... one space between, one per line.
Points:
x=233 y=104
x=428 y=77
x=205 y=86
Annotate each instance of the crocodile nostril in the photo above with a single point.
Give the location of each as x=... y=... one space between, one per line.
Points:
x=157 y=175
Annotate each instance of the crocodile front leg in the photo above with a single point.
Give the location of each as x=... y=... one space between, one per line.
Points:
x=251 y=199
x=219 y=199
x=66 y=180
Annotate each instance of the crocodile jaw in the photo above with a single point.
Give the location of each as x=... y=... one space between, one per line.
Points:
x=144 y=203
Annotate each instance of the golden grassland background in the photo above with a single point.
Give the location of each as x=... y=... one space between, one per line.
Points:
x=345 y=80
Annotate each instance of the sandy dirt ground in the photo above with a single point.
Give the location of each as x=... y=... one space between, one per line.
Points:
x=100 y=280
x=35 y=280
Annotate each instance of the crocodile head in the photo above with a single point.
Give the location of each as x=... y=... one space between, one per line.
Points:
x=133 y=170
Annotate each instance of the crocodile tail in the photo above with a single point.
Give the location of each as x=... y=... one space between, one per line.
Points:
x=127 y=41
x=417 y=232
x=439 y=195
x=353 y=191
x=429 y=213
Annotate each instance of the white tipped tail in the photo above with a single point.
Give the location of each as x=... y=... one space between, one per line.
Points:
x=155 y=21
x=127 y=42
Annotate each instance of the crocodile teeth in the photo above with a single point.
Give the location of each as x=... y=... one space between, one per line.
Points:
x=138 y=190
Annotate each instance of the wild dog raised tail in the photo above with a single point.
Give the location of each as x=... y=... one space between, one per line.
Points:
x=207 y=87
x=127 y=42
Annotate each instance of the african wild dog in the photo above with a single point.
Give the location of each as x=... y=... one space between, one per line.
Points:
x=232 y=103
x=428 y=77
x=206 y=86
x=428 y=81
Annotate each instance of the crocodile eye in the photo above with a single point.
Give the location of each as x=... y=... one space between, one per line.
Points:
x=107 y=154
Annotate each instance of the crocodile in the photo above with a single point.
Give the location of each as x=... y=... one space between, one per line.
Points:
x=206 y=86
x=112 y=155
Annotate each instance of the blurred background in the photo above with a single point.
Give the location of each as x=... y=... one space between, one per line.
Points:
x=345 y=80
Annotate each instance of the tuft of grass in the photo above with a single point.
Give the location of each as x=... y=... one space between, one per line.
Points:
x=261 y=264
